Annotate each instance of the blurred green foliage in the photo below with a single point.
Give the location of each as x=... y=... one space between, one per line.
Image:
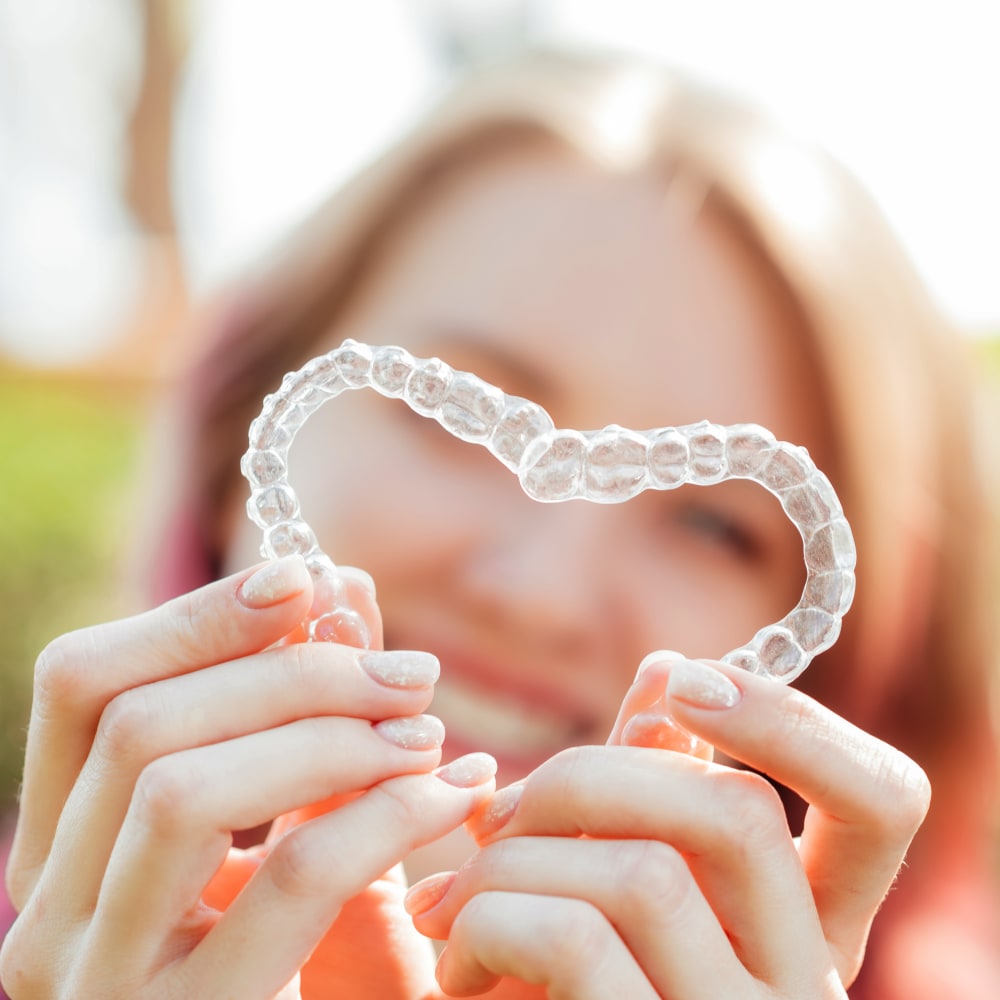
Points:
x=989 y=349
x=67 y=455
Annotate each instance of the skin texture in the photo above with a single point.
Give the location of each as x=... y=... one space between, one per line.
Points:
x=615 y=869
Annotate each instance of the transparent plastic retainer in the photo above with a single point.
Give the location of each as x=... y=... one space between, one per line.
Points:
x=604 y=466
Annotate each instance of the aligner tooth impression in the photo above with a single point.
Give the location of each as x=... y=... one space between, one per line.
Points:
x=553 y=465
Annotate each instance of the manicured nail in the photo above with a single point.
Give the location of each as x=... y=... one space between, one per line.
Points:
x=401 y=668
x=698 y=684
x=427 y=892
x=498 y=811
x=412 y=732
x=351 y=574
x=468 y=771
x=275 y=582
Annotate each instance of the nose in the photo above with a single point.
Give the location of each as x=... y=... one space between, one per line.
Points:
x=546 y=570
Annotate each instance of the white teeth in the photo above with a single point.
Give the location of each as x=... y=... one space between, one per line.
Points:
x=499 y=723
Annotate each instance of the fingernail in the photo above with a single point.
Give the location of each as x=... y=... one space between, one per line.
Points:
x=498 y=811
x=401 y=668
x=427 y=892
x=274 y=582
x=351 y=574
x=468 y=771
x=658 y=731
x=412 y=732
x=698 y=684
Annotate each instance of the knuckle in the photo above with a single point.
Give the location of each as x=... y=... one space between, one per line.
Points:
x=62 y=669
x=22 y=967
x=167 y=794
x=185 y=621
x=126 y=723
x=567 y=766
x=568 y=777
x=653 y=877
x=752 y=807
x=564 y=935
x=589 y=934
x=901 y=795
x=402 y=811
x=296 y=867
x=557 y=942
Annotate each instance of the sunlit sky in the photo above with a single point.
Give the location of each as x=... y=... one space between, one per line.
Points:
x=282 y=100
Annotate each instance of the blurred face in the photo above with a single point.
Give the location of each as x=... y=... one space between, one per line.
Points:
x=605 y=301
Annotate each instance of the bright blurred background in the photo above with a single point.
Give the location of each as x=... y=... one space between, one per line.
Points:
x=149 y=149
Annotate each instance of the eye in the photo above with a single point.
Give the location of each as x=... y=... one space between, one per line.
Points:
x=720 y=527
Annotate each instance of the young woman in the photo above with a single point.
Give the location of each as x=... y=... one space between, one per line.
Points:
x=621 y=247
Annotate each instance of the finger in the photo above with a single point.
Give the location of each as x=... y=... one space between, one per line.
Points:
x=644 y=719
x=643 y=888
x=176 y=834
x=212 y=706
x=79 y=673
x=866 y=799
x=297 y=893
x=729 y=824
x=566 y=945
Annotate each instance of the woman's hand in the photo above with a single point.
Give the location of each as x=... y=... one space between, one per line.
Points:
x=634 y=872
x=154 y=738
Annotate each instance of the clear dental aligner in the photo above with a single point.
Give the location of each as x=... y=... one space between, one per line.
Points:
x=604 y=466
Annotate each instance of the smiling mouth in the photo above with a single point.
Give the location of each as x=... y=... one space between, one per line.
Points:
x=502 y=724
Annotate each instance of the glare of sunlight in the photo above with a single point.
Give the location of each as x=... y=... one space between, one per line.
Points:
x=620 y=118
x=280 y=103
x=787 y=176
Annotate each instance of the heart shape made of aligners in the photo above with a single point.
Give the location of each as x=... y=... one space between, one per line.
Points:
x=604 y=466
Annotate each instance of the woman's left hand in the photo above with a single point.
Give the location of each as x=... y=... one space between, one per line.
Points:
x=630 y=871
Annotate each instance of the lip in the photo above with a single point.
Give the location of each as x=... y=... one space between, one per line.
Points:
x=521 y=736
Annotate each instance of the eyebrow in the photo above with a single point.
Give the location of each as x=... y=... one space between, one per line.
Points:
x=473 y=346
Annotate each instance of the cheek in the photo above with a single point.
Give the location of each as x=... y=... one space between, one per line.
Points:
x=701 y=616
x=694 y=594
x=385 y=489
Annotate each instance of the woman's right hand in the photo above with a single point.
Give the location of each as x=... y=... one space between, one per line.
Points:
x=152 y=739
